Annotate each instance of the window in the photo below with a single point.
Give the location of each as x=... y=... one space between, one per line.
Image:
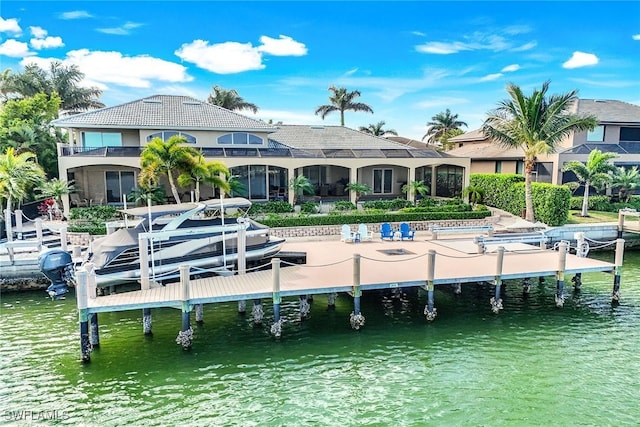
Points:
x=164 y=135
x=498 y=166
x=449 y=180
x=253 y=179
x=119 y=183
x=520 y=167
x=101 y=139
x=630 y=134
x=240 y=138
x=382 y=179
x=596 y=135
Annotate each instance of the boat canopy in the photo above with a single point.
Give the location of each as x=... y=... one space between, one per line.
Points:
x=177 y=209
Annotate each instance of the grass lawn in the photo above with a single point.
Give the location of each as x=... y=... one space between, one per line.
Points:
x=594 y=216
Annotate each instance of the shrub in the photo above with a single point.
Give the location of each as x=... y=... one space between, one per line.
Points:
x=272 y=206
x=310 y=207
x=343 y=205
x=92 y=219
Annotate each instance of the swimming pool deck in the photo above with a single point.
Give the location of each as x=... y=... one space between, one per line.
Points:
x=383 y=265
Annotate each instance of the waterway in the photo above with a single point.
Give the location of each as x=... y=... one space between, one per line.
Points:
x=533 y=364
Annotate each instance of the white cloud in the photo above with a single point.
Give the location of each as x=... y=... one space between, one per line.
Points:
x=102 y=68
x=636 y=36
x=9 y=26
x=477 y=41
x=38 y=32
x=123 y=30
x=15 y=49
x=221 y=58
x=46 y=43
x=510 y=68
x=418 y=33
x=490 y=77
x=75 y=14
x=441 y=48
x=284 y=46
x=517 y=29
x=525 y=47
x=580 y=59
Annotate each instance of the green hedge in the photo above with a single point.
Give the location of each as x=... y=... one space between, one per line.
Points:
x=506 y=191
x=604 y=203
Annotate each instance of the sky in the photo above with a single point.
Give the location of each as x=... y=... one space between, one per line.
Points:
x=410 y=60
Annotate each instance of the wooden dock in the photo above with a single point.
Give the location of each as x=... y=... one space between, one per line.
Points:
x=334 y=266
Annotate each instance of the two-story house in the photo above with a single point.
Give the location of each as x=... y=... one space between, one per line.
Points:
x=104 y=146
x=618 y=131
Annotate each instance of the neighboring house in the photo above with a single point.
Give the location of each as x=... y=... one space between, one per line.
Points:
x=618 y=131
x=102 y=155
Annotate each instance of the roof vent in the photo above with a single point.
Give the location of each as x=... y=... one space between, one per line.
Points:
x=190 y=103
x=316 y=127
x=152 y=101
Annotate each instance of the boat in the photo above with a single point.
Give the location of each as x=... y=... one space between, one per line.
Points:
x=201 y=234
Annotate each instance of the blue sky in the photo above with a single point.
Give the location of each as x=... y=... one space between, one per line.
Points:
x=410 y=60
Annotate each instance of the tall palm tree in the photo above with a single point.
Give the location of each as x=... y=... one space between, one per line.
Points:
x=342 y=100
x=18 y=174
x=626 y=181
x=441 y=125
x=596 y=172
x=377 y=129
x=536 y=124
x=202 y=171
x=230 y=100
x=60 y=79
x=55 y=189
x=167 y=158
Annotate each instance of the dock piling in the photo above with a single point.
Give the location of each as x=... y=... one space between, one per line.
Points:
x=199 y=314
x=430 y=311
x=356 y=318
x=95 y=334
x=242 y=306
x=276 y=328
x=615 y=295
x=496 y=301
x=562 y=262
x=147 y=321
x=83 y=315
x=185 y=336
x=331 y=300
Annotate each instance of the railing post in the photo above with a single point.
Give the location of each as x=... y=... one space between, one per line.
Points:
x=620 y=223
x=562 y=262
x=430 y=311
x=39 y=231
x=83 y=315
x=496 y=301
x=242 y=257
x=63 y=238
x=615 y=296
x=356 y=318
x=144 y=262
x=7 y=224
x=18 y=213
x=276 y=328
x=185 y=336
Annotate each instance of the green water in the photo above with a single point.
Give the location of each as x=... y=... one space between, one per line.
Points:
x=532 y=364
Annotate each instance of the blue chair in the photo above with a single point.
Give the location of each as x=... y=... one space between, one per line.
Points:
x=386 y=232
x=406 y=232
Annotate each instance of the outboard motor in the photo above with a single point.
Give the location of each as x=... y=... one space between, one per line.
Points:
x=57 y=266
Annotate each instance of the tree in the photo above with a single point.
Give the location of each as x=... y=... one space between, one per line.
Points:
x=342 y=100
x=475 y=193
x=358 y=188
x=300 y=185
x=198 y=171
x=536 y=124
x=595 y=173
x=626 y=181
x=441 y=125
x=416 y=187
x=55 y=189
x=59 y=79
x=377 y=129
x=167 y=158
x=444 y=140
x=230 y=100
x=18 y=174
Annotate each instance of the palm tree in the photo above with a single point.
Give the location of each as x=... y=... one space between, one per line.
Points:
x=536 y=124
x=230 y=100
x=18 y=174
x=60 y=79
x=300 y=185
x=416 y=187
x=167 y=158
x=377 y=129
x=201 y=171
x=441 y=125
x=342 y=100
x=55 y=189
x=626 y=181
x=358 y=188
x=475 y=193
x=595 y=173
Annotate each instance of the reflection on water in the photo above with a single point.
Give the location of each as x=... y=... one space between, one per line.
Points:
x=531 y=364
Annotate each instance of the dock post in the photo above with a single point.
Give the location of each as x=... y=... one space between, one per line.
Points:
x=356 y=318
x=92 y=294
x=39 y=230
x=95 y=334
x=562 y=262
x=63 y=238
x=620 y=224
x=83 y=315
x=18 y=213
x=582 y=248
x=615 y=296
x=144 y=283
x=185 y=336
x=526 y=286
x=430 y=311
x=457 y=288
x=276 y=328
x=305 y=307
x=496 y=301
x=331 y=301
x=242 y=306
x=147 y=321
x=257 y=312
x=199 y=314
x=242 y=258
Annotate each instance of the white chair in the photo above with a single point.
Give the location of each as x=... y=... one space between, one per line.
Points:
x=346 y=235
x=77 y=201
x=365 y=234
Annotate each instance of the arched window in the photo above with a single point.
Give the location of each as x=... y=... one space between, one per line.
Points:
x=240 y=138
x=164 y=135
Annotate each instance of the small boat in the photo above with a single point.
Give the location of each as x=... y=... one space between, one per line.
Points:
x=201 y=234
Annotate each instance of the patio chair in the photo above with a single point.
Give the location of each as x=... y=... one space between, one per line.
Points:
x=406 y=232
x=77 y=201
x=365 y=234
x=346 y=235
x=386 y=232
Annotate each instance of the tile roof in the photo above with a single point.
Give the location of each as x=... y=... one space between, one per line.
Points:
x=473 y=135
x=164 y=112
x=610 y=111
x=486 y=150
x=329 y=137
